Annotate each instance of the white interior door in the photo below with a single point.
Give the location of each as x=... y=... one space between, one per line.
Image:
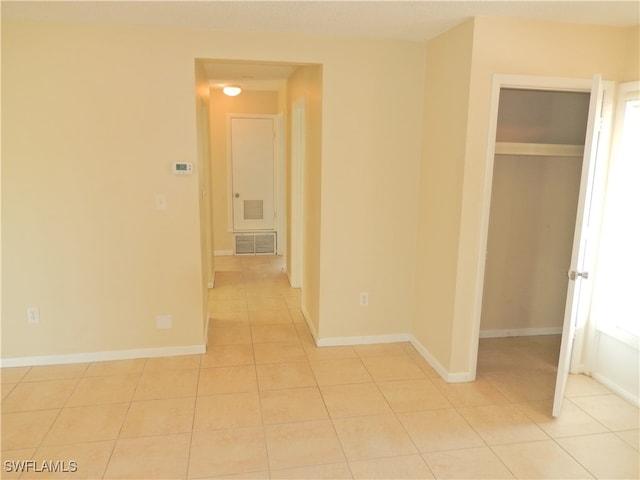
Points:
x=576 y=305
x=252 y=161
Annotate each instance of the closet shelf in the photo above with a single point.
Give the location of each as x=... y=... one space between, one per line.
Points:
x=539 y=149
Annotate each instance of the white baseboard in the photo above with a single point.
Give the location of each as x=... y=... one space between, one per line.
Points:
x=223 y=253
x=357 y=340
x=396 y=338
x=363 y=340
x=390 y=338
x=448 y=377
x=312 y=328
x=617 y=389
x=102 y=356
x=520 y=332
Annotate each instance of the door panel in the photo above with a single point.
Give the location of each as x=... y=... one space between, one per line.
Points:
x=575 y=303
x=252 y=160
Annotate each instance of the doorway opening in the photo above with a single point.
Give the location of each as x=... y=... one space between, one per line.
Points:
x=287 y=97
x=541 y=174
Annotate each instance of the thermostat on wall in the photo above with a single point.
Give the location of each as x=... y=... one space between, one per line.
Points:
x=182 y=168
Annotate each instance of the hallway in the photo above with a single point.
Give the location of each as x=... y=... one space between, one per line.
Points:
x=265 y=402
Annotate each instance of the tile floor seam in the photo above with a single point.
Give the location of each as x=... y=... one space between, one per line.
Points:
x=566 y=436
x=264 y=436
x=589 y=414
x=495 y=454
x=193 y=422
x=574 y=458
x=413 y=442
x=404 y=428
x=333 y=426
x=60 y=410
x=124 y=419
x=457 y=410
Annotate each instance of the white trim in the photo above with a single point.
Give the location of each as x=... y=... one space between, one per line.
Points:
x=448 y=377
x=103 y=356
x=363 y=340
x=298 y=156
x=520 y=332
x=431 y=360
x=280 y=184
x=617 y=389
x=223 y=253
x=312 y=328
x=543 y=83
x=460 y=377
x=503 y=81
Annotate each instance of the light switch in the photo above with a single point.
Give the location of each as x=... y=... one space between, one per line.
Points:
x=161 y=201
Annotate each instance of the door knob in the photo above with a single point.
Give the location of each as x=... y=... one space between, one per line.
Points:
x=237 y=195
x=573 y=275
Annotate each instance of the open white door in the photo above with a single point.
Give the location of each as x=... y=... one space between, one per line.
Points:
x=575 y=305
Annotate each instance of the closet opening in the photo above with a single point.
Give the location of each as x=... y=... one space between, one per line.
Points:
x=536 y=180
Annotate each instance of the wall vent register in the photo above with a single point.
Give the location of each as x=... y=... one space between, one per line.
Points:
x=255 y=243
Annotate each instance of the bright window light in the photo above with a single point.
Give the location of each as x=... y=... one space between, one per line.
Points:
x=616 y=294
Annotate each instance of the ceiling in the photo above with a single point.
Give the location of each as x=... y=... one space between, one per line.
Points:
x=249 y=75
x=418 y=20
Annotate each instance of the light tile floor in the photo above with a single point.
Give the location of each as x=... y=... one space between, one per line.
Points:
x=265 y=402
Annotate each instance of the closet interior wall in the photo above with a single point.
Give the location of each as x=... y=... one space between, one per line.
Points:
x=536 y=180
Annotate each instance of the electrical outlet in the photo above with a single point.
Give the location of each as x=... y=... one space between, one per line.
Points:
x=364 y=299
x=164 y=321
x=33 y=315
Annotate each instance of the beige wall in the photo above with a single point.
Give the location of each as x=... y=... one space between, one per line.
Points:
x=533 y=210
x=93 y=117
x=253 y=102
x=534 y=48
x=86 y=148
x=305 y=84
x=446 y=102
x=632 y=60
x=370 y=179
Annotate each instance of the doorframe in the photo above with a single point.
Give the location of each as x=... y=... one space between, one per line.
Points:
x=298 y=156
x=276 y=149
x=204 y=180
x=526 y=82
x=280 y=185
